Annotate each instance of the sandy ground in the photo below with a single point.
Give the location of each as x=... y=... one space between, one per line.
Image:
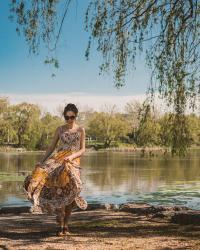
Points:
x=98 y=230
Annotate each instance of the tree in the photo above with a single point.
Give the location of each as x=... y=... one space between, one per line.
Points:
x=7 y=133
x=4 y=103
x=194 y=128
x=49 y=124
x=25 y=118
x=168 y=31
x=107 y=126
x=25 y=125
x=172 y=135
x=148 y=130
x=132 y=110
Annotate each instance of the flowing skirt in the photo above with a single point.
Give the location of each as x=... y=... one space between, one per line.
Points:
x=55 y=184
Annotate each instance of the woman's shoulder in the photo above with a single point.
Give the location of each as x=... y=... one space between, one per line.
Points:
x=59 y=129
x=80 y=128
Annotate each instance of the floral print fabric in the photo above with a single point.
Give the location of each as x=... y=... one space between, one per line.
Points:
x=55 y=184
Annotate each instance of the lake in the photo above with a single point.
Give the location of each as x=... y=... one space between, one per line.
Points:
x=115 y=177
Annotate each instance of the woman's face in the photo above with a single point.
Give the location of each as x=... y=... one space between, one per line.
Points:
x=70 y=117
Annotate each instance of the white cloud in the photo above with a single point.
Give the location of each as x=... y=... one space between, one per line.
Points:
x=50 y=102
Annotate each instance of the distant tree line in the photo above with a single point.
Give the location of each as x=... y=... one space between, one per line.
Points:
x=25 y=125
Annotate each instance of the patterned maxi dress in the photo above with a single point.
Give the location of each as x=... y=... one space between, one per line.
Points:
x=57 y=183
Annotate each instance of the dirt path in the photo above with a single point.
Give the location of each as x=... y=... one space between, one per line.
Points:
x=99 y=230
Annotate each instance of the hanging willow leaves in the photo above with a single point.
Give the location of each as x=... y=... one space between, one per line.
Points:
x=41 y=23
x=122 y=28
x=168 y=31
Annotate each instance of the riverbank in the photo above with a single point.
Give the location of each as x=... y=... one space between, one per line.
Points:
x=8 y=149
x=128 y=226
x=146 y=150
x=149 y=150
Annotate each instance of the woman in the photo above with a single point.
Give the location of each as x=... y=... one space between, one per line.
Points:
x=55 y=184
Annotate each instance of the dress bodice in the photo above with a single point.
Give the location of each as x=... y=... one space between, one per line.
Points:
x=70 y=140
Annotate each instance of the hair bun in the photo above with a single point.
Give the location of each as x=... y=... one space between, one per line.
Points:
x=70 y=107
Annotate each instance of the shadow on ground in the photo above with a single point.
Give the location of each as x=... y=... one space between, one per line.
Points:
x=96 y=230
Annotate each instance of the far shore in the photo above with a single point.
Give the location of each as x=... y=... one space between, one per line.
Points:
x=150 y=150
x=143 y=150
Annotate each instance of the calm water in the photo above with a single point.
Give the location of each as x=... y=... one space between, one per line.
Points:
x=115 y=177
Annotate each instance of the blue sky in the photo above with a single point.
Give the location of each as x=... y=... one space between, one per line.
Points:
x=22 y=73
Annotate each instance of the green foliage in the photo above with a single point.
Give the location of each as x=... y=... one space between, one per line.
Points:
x=194 y=129
x=148 y=129
x=107 y=126
x=23 y=125
x=7 y=133
x=36 y=20
x=172 y=136
x=167 y=30
x=48 y=125
x=41 y=23
x=25 y=117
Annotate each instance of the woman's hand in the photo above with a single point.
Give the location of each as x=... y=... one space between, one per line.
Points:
x=68 y=158
x=38 y=164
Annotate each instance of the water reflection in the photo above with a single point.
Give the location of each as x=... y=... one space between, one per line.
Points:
x=116 y=177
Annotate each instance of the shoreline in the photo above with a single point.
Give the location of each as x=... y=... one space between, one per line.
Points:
x=143 y=150
x=184 y=214
x=123 y=149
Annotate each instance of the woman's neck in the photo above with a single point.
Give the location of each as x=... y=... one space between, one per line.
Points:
x=73 y=126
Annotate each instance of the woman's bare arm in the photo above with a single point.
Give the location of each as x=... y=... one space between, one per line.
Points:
x=52 y=146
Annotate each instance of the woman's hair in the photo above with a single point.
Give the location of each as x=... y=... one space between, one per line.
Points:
x=70 y=107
